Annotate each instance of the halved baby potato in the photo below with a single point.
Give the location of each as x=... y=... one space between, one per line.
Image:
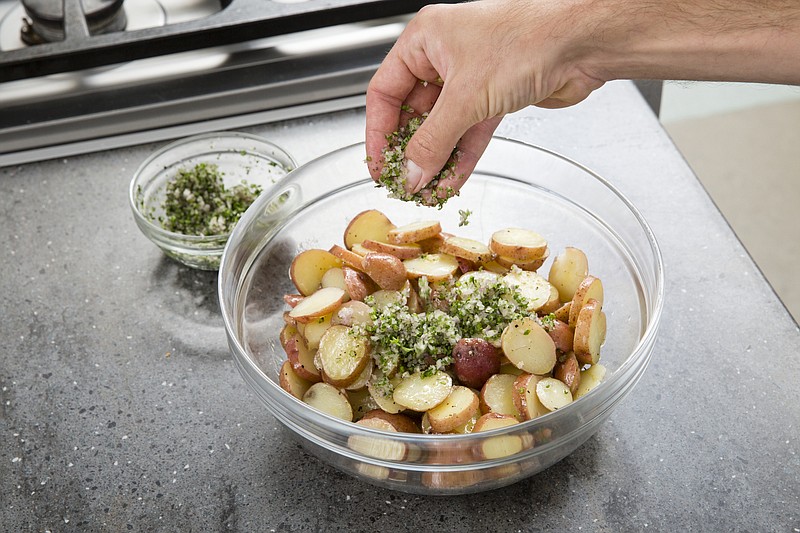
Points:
x=400 y=251
x=590 y=287
x=568 y=270
x=553 y=394
x=497 y=395
x=329 y=400
x=386 y=270
x=347 y=257
x=456 y=410
x=535 y=288
x=367 y=225
x=419 y=392
x=590 y=378
x=469 y=249
x=308 y=268
x=528 y=346
x=518 y=244
x=590 y=333
x=291 y=382
x=525 y=398
x=414 y=232
x=323 y=302
x=500 y=446
x=342 y=355
x=435 y=267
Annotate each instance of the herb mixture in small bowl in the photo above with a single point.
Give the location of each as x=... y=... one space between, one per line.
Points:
x=188 y=196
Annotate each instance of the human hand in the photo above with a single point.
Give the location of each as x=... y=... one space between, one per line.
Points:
x=468 y=65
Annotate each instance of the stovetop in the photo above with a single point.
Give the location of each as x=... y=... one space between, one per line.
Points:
x=185 y=66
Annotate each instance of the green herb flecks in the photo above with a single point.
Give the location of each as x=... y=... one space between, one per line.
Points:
x=394 y=169
x=464 y=215
x=198 y=203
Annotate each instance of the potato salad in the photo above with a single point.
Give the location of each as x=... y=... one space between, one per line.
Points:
x=412 y=329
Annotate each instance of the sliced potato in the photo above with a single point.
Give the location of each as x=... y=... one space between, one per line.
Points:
x=568 y=371
x=361 y=401
x=494 y=266
x=562 y=313
x=422 y=393
x=309 y=266
x=301 y=358
x=531 y=266
x=568 y=270
x=352 y=313
x=533 y=287
x=359 y=249
x=433 y=245
x=386 y=270
x=553 y=393
x=315 y=329
x=525 y=398
x=330 y=400
x=562 y=335
x=400 y=251
x=469 y=249
x=382 y=298
x=292 y=299
x=385 y=448
x=590 y=333
x=342 y=356
x=335 y=278
x=528 y=346
x=435 y=267
x=385 y=402
x=414 y=232
x=347 y=257
x=363 y=378
x=323 y=302
x=400 y=422
x=367 y=225
x=291 y=382
x=499 y=446
x=457 y=409
x=359 y=285
x=518 y=244
x=590 y=287
x=497 y=395
x=590 y=378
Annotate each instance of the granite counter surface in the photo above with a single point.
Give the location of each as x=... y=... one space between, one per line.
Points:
x=122 y=410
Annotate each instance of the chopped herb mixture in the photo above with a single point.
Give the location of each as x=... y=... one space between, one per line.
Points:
x=394 y=168
x=464 y=215
x=198 y=203
x=408 y=342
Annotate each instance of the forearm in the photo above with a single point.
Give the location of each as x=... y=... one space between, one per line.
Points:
x=722 y=40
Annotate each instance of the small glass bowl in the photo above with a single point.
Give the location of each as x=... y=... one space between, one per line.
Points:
x=239 y=157
x=514 y=184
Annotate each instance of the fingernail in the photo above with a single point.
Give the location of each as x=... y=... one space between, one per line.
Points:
x=413 y=177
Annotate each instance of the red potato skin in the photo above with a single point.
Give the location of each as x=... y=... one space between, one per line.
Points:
x=475 y=361
x=568 y=371
x=293 y=355
x=562 y=335
x=292 y=299
x=465 y=265
x=400 y=422
x=359 y=285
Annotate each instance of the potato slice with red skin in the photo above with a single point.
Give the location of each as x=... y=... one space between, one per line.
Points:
x=329 y=400
x=292 y=299
x=553 y=393
x=361 y=401
x=568 y=371
x=499 y=446
x=475 y=361
x=342 y=356
x=334 y=278
x=528 y=346
x=590 y=287
x=568 y=270
x=363 y=378
x=590 y=378
x=352 y=313
x=562 y=335
x=456 y=410
x=534 y=288
x=400 y=251
x=518 y=244
x=414 y=232
x=386 y=270
x=386 y=448
x=347 y=257
x=562 y=313
x=367 y=225
x=359 y=285
x=435 y=267
x=497 y=395
x=314 y=331
x=590 y=333
x=433 y=245
x=525 y=398
x=422 y=393
x=309 y=266
x=291 y=382
x=301 y=358
x=468 y=249
x=323 y=302
x=400 y=422
x=531 y=266
x=385 y=402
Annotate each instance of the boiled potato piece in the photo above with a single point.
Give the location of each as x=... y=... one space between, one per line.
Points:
x=457 y=409
x=301 y=358
x=292 y=299
x=386 y=270
x=590 y=333
x=309 y=267
x=500 y=446
x=568 y=270
x=347 y=257
x=323 y=302
x=518 y=244
x=367 y=225
x=528 y=346
x=525 y=398
x=400 y=422
x=435 y=267
x=532 y=266
x=422 y=393
x=352 y=313
x=468 y=249
x=562 y=313
x=335 y=278
x=414 y=232
x=475 y=361
x=497 y=395
x=590 y=378
x=385 y=402
x=400 y=251
x=553 y=393
x=342 y=356
x=590 y=287
x=291 y=382
x=361 y=401
x=315 y=329
x=358 y=284
x=385 y=448
x=535 y=288
x=330 y=400
x=562 y=335
x=494 y=266
x=568 y=371
x=363 y=378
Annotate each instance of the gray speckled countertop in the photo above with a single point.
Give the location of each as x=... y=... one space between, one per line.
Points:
x=122 y=409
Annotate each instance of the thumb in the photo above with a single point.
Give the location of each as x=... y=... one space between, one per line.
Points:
x=432 y=144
